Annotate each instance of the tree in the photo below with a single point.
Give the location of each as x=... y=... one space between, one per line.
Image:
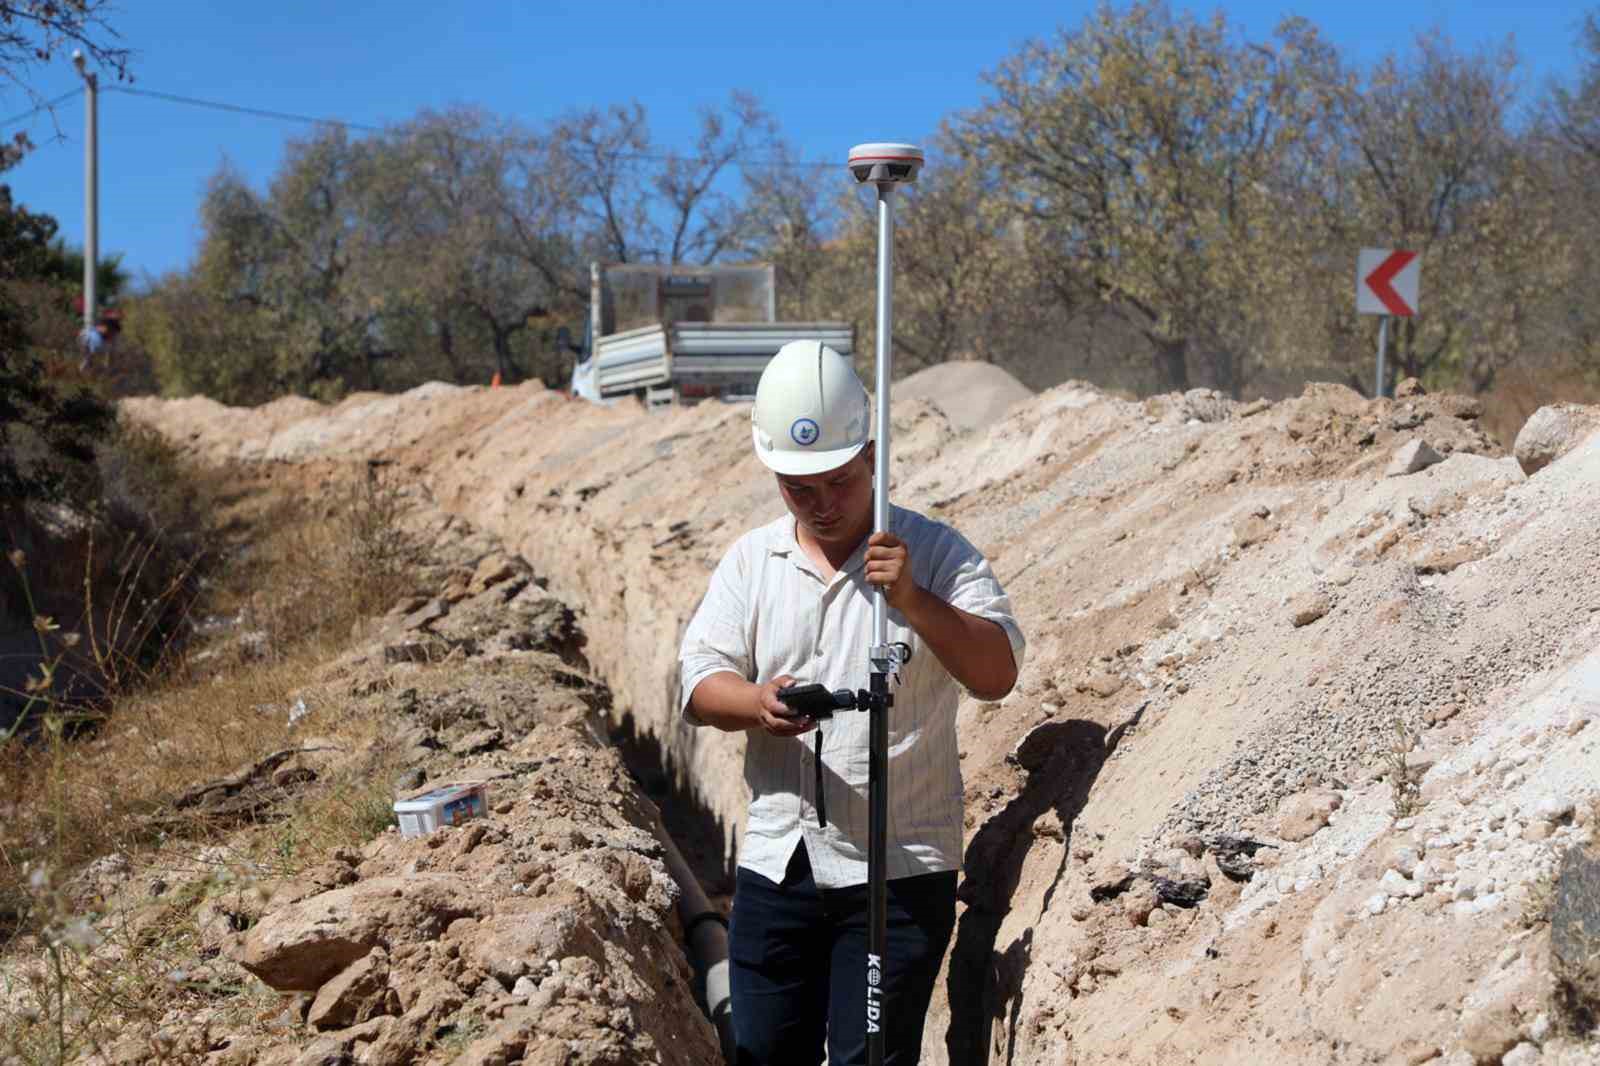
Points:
x=201 y=343
x=376 y=263
x=790 y=220
x=966 y=279
x=25 y=240
x=47 y=432
x=482 y=236
x=1575 y=112
x=602 y=157
x=110 y=276
x=1562 y=154
x=703 y=224
x=1143 y=147
x=639 y=204
x=44 y=274
x=288 y=266
x=34 y=32
x=971 y=285
x=1432 y=170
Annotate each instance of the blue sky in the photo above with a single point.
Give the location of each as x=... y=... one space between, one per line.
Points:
x=832 y=73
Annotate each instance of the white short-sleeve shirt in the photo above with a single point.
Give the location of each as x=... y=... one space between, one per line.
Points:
x=769 y=612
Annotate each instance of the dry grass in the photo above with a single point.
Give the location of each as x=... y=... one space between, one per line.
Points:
x=299 y=576
x=104 y=971
x=116 y=567
x=1540 y=900
x=78 y=800
x=312 y=569
x=1405 y=792
x=304 y=582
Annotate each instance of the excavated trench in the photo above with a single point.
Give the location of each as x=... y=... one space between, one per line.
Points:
x=1258 y=615
x=698 y=831
x=698 y=860
x=693 y=837
x=633 y=573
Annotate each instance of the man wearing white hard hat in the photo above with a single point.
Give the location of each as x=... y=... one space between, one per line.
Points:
x=791 y=602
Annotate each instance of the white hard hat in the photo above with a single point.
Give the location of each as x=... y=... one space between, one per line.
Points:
x=811 y=412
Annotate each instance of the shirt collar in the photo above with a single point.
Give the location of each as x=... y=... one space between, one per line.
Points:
x=787 y=545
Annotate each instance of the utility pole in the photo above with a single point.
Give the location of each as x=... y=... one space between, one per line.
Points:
x=91 y=188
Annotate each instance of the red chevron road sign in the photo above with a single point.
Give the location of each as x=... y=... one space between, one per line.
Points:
x=1387 y=280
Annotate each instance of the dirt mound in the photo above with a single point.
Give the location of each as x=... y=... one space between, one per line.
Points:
x=545 y=925
x=972 y=395
x=1307 y=721
x=546 y=930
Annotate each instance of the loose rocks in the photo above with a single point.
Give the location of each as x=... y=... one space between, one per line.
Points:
x=302 y=946
x=1552 y=432
x=1307 y=609
x=1524 y=1054
x=493 y=569
x=1412 y=457
x=1304 y=813
x=1396 y=885
x=1488 y=1033
x=1139 y=901
x=1101 y=683
x=360 y=992
x=1555 y=809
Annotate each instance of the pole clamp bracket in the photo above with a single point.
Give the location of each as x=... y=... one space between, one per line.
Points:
x=888 y=658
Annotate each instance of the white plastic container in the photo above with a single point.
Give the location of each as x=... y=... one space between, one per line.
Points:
x=447 y=805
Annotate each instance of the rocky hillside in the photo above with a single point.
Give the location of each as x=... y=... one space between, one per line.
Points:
x=1306 y=734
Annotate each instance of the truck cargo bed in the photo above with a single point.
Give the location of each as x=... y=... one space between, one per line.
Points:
x=697 y=356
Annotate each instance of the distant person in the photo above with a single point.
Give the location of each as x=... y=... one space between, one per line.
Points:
x=90 y=342
x=792 y=602
x=102 y=338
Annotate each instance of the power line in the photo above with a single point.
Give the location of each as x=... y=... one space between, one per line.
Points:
x=46 y=106
x=287 y=116
x=216 y=105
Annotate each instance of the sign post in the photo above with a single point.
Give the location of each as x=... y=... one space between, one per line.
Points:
x=1387 y=281
x=1383 y=345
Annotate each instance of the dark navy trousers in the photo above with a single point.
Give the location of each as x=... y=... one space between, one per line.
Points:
x=798 y=966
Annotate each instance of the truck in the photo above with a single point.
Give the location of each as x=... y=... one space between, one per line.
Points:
x=672 y=334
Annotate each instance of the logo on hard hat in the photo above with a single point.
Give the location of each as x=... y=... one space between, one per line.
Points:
x=805 y=432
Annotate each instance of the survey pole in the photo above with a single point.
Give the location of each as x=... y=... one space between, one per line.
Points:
x=885 y=353
x=883 y=165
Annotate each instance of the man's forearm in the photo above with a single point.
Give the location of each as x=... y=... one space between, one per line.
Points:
x=976 y=651
x=727 y=701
